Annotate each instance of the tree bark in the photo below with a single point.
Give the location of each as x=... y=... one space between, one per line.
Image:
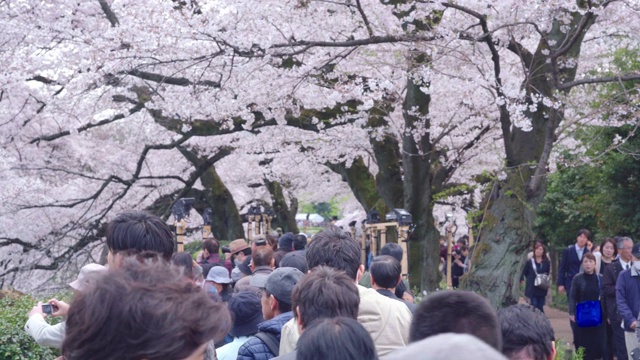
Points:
x=507 y=234
x=285 y=218
x=424 y=249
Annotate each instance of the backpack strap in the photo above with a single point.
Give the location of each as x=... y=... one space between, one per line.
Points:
x=271 y=341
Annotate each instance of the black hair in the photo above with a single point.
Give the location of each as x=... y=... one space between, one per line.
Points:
x=586 y=233
x=299 y=242
x=147 y=309
x=211 y=245
x=185 y=262
x=325 y=293
x=392 y=249
x=385 y=271
x=338 y=338
x=526 y=332
x=283 y=307
x=461 y=312
x=334 y=248
x=140 y=233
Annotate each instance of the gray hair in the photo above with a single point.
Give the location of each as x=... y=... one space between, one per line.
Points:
x=622 y=240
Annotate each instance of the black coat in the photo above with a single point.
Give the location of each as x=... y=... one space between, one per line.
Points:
x=530 y=290
x=609 y=279
x=569 y=266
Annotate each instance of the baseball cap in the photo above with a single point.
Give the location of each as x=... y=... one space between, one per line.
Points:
x=87 y=272
x=296 y=259
x=279 y=283
x=247 y=313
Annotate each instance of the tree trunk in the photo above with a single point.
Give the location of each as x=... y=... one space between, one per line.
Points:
x=285 y=218
x=424 y=247
x=499 y=256
x=226 y=222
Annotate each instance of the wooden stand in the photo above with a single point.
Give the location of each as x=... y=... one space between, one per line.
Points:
x=377 y=233
x=181 y=226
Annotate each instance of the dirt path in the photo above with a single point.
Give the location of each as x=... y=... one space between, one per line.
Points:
x=560 y=323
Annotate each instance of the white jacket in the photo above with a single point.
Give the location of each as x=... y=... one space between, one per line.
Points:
x=45 y=334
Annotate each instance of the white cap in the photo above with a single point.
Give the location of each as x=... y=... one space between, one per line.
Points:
x=85 y=275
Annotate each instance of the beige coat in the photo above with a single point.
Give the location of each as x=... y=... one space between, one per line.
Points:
x=387 y=321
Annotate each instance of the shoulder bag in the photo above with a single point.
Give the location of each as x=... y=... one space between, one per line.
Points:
x=542 y=280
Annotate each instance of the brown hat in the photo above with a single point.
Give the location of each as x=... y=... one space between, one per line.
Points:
x=237 y=245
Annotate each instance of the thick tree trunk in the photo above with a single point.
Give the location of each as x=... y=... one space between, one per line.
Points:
x=424 y=247
x=285 y=218
x=499 y=256
x=226 y=222
x=362 y=184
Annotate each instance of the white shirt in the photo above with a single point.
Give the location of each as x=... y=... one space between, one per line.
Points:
x=580 y=251
x=230 y=351
x=625 y=264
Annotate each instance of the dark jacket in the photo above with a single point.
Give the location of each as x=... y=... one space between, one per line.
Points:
x=628 y=296
x=578 y=288
x=569 y=266
x=256 y=349
x=530 y=290
x=609 y=279
x=389 y=294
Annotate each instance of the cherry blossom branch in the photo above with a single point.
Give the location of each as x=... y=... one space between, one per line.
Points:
x=607 y=79
x=111 y=16
x=364 y=18
x=171 y=80
x=86 y=127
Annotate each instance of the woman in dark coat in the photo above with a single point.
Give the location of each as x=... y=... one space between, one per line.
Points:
x=587 y=286
x=536 y=294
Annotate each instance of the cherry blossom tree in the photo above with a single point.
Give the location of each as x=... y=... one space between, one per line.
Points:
x=112 y=105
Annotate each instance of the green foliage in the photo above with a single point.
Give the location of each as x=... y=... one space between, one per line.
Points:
x=563 y=352
x=193 y=247
x=324 y=209
x=600 y=196
x=15 y=343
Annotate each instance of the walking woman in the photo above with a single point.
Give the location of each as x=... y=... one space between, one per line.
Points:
x=604 y=259
x=538 y=265
x=586 y=287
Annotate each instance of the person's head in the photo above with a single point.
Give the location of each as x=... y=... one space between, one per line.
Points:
x=339 y=338
x=239 y=250
x=218 y=277
x=461 y=312
x=263 y=256
x=285 y=243
x=324 y=293
x=392 y=249
x=539 y=250
x=335 y=248
x=526 y=333
x=272 y=241
x=589 y=263
x=299 y=241
x=210 y=246
x=583 y=237
x=87 y=276
x=185 y=262
x=464 y=250
x=448 y=346
x=138 y=234
x=295 y=259
x=625 y=245
x=277 y=288
x=385 y=272
x=609 y=248
x=148 y=310
x=246 y=310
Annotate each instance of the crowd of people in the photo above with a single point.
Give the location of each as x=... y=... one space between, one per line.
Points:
x=289 y=298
